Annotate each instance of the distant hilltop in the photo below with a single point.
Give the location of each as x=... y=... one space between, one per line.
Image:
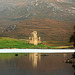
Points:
x=26 y=9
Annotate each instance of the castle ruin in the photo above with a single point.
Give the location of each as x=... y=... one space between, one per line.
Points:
x=34 y=39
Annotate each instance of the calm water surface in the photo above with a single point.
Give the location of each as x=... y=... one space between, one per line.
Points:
x=37 y=64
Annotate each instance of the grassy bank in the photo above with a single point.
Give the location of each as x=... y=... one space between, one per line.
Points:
x=57 y=43
x=10 y=43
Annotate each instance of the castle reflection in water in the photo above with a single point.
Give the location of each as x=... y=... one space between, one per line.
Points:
x=34 y=58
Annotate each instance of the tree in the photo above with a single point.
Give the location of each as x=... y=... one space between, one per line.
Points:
x=72 y=38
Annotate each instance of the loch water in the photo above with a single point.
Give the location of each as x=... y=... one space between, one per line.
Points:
x=37 y=64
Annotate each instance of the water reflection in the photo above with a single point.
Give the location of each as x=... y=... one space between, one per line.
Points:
x=71 y=61
x=34 y=57
x=73 y=65
x=65 y=55
x=36 y=64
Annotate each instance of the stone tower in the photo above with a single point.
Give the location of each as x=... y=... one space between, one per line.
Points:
x=34 y=39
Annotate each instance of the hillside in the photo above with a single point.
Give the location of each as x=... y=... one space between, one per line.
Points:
x=53 y=19
x=48 y=29
x=25 y=9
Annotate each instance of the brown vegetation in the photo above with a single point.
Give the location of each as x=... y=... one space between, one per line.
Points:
x=48 y=29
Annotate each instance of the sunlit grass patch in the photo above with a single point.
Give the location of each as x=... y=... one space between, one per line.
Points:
x=10 y=43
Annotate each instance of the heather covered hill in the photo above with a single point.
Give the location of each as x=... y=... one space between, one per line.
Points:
x=53 y=19
x=48 y=29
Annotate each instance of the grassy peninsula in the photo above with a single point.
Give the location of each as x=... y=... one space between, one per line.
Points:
x=10 y=43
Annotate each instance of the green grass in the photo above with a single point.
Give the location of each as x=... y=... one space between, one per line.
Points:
x=6 y=42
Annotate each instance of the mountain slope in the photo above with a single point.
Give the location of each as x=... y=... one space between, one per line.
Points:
x=48 y=29
x=53 y=19
x=55 y=9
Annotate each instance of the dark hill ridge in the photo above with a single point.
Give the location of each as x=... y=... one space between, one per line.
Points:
x=48 y=29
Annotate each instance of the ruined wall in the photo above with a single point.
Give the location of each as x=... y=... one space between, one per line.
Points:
x=34 y=39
